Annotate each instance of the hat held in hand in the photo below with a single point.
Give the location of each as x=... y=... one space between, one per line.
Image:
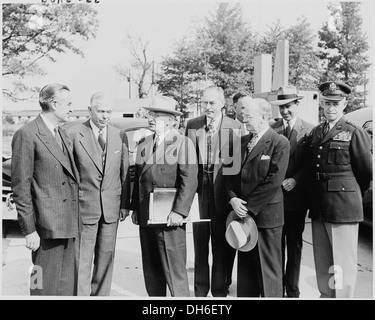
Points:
x=241 y=234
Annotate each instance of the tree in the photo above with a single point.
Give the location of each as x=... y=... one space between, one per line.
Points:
x=36 y=32
x=343 y=46
x=218 y=51
x=304 y=64
x=141 y=66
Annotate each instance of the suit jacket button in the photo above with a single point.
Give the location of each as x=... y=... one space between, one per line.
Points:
x=64 y=200
x=56 y=165
x=63 y=183
x=99 y=177
x=320 y=147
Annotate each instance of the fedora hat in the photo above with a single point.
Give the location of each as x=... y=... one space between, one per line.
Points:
x=286 y=95
x=241 y=234
x=164 y=104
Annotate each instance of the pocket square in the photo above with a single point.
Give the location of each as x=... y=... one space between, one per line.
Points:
x=117 y=151
x=265 y=157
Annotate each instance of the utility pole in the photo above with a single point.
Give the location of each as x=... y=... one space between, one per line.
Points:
x=130 y=84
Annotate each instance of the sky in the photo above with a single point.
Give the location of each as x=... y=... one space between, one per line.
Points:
x=162 y=23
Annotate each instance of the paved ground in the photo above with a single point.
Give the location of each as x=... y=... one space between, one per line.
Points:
x=128 y=279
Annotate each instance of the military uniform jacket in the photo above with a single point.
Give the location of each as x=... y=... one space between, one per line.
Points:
x=341 y=170
x=297 y=198
x=172 y=165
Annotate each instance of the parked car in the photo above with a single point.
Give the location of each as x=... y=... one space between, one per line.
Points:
x=135 y=128
x=363 y=117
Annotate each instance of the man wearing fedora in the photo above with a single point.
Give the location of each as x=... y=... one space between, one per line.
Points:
x=257 y=192
x=340 y=164
x=165 y=159
x=294 y=185
x=213 y=134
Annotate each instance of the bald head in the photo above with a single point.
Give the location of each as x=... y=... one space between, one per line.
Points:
x=256 y=114
x=101 y=105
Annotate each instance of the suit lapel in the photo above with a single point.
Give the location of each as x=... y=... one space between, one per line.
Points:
x=260 y=146
x=201 y=139
x=111 y=145
x=161 y=150
x=244 y=142
x=88 y=143
x=297 y=133
x=45 y=135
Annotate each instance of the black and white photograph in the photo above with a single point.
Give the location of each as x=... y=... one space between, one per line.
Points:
x=192 y=152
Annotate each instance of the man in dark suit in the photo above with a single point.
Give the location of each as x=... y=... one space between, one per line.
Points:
x=45 y=191
x=165 y=159
x=101 y=154
x=340 y=163
x=213 y=135
x=257 y=191
x=294 y=186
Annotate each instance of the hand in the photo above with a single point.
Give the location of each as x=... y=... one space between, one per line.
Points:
x=134 y=217
x=175 y=219
x=238 y=206
x=33 y=241
x=289 y=184
x=124 y=213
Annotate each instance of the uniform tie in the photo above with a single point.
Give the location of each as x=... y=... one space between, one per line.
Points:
x=252 y=143
x=325 y=128
x=101 y=139
x=58 y=138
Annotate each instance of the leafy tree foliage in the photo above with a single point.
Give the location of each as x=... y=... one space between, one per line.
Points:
x=35 y=32
x=343 y=47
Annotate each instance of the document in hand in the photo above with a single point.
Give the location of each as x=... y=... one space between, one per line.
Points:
x=161 y=204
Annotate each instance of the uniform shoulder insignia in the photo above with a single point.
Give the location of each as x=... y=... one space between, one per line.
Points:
x=351 y=124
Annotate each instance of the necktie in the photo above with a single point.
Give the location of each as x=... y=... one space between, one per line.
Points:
x=325 y=128
x=101 y=139
x=58 y=138
x=211 y=129
x=288 y=129
x=156 y=143
x=252 y=143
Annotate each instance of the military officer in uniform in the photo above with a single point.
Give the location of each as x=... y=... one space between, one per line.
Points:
x=341 y=169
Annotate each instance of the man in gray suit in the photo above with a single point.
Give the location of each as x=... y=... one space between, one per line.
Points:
x=101 y=154
x=45 y=190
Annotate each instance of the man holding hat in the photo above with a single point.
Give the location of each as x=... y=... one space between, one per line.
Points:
x=340 y=164
x=165 y=159
x=256 y=193
x=213 y=134
x=294 y=185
